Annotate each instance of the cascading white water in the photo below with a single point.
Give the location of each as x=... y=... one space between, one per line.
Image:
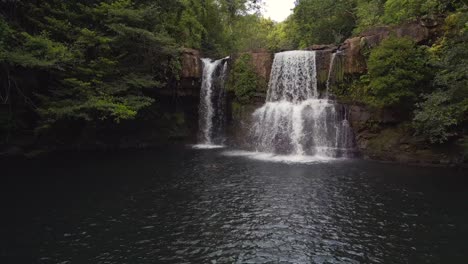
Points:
x=294 y=119
x=212 y=103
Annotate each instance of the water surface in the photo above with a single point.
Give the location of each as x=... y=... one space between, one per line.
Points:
x=185 y=205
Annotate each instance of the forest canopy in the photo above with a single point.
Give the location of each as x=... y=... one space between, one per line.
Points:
x=92 y=60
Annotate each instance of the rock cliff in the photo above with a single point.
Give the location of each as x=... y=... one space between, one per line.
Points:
x=354 y=49
x=262 y=60
x=382 y=135
x=191 y=73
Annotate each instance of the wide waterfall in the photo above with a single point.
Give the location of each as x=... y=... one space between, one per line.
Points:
x=212 y=110
x=298 y=119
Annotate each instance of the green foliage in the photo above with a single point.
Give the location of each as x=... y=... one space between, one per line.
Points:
x=397 y=11
x=398 y=72
x=39 y=51
x=94 y=60
x=323 y=21
x=435 y=117
x=230 y=26
x=369 y=13
x=243 y=80
x=330 y=21
x=5 y=33
x=452 y=61
x=252 y=33
x=280 y=37
x=99 y=108
x=190 y=25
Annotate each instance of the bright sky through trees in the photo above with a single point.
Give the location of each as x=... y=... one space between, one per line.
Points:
x=278 y=10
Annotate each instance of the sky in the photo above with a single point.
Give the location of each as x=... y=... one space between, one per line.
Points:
x=278 y=10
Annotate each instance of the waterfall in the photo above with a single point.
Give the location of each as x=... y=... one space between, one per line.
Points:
x=212 y=110
x=295 y=120
x=330 y=72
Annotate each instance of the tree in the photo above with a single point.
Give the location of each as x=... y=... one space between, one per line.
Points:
x=324 y=21
x=93 y=61
x=369 y=13
x=397 y=11
x=252 y=33
x=435 y=116
x=281 y=37
x=398 y=72
x=446 y=108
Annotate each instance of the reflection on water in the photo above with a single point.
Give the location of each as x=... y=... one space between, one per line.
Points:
x=181 y=205
x=207 y=146
x=271 y=157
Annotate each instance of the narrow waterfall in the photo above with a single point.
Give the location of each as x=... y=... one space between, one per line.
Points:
x=212 y=110
x=296 y=119
x=330 y=73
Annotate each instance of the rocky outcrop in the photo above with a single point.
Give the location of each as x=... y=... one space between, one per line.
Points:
x=191 y=73
x=262 y=61
x=382 y=135
x=355 y=48
x=191 y=64
x=189 y=81
x=192 y=70
x=323 y=61
x=190 y=77
x=240 y=115
x=330 y=47
x=415 y=31
x=354 y=60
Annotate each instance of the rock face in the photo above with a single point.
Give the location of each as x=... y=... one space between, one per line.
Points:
x=191 y=64
x=415 y=31
x=355 y=48
x=358 y=115
x=240 y=118
x=381 y=135
x=354 y=60
x=323 y=47
x=262 y=61
x=323 y=61
x=191 y=74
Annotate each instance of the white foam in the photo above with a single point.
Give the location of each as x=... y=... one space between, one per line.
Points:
x=295 y=119
x=270 y=157
x=207 y=146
